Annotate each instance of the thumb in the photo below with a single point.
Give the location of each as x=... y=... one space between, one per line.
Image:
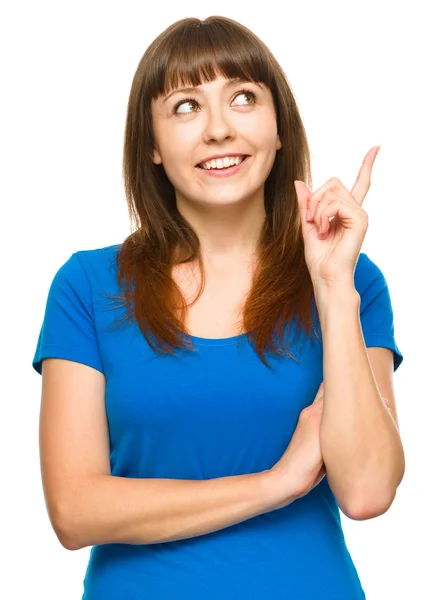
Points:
x=303 y=194
x=320 y=393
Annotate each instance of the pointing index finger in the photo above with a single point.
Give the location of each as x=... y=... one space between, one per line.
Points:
x=363 y=182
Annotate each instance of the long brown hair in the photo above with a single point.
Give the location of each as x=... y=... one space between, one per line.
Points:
x=187 y=53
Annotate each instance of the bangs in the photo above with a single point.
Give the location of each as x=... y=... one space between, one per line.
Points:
x=201 y=52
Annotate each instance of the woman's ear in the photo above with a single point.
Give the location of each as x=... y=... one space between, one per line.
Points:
x=278 y=143
x=156 y=157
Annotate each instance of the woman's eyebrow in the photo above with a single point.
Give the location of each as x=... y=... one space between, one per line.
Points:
x=196 y=90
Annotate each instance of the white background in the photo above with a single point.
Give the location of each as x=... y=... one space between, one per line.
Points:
x=364 y=74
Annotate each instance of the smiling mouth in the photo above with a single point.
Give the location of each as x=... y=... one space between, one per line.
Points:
x=222 y=168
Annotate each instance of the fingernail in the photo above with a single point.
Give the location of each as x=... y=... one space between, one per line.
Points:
x=377 y=151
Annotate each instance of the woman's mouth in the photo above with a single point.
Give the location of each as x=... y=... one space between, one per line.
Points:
x=225 y=171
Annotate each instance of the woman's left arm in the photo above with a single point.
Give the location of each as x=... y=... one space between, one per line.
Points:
x=360 y=441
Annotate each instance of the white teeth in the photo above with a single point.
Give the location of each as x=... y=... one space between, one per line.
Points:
x=221 y=164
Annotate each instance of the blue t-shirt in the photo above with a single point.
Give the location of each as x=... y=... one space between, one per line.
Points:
x=200 y=415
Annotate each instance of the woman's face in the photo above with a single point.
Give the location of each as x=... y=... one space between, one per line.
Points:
x=221 y=119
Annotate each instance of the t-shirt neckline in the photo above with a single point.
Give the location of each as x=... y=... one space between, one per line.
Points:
x=228 y=341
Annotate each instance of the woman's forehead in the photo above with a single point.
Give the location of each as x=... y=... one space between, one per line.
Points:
x=184 y=84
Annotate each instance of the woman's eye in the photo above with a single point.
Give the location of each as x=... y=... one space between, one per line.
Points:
x=177 y=106
x=192 y=101
x=248 y=94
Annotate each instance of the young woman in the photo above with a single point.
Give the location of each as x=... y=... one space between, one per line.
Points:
x=196 y=466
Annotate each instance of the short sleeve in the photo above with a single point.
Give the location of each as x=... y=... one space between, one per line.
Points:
x=68 y=330
x=376 y=311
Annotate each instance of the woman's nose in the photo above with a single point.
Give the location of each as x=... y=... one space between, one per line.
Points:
x=218 y=125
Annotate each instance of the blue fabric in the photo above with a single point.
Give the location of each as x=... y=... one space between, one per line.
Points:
x=213 y=413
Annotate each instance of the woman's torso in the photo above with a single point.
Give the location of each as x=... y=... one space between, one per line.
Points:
x=217 y=411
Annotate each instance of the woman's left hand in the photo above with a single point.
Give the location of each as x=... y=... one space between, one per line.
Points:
x=331 y=258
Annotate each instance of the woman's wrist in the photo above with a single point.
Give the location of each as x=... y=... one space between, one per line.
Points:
x=279 y=487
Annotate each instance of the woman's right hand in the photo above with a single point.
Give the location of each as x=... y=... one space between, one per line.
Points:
x=301 y=467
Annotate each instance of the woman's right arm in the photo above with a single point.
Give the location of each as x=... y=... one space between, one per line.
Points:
x=120 y=510
x=89 y=506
